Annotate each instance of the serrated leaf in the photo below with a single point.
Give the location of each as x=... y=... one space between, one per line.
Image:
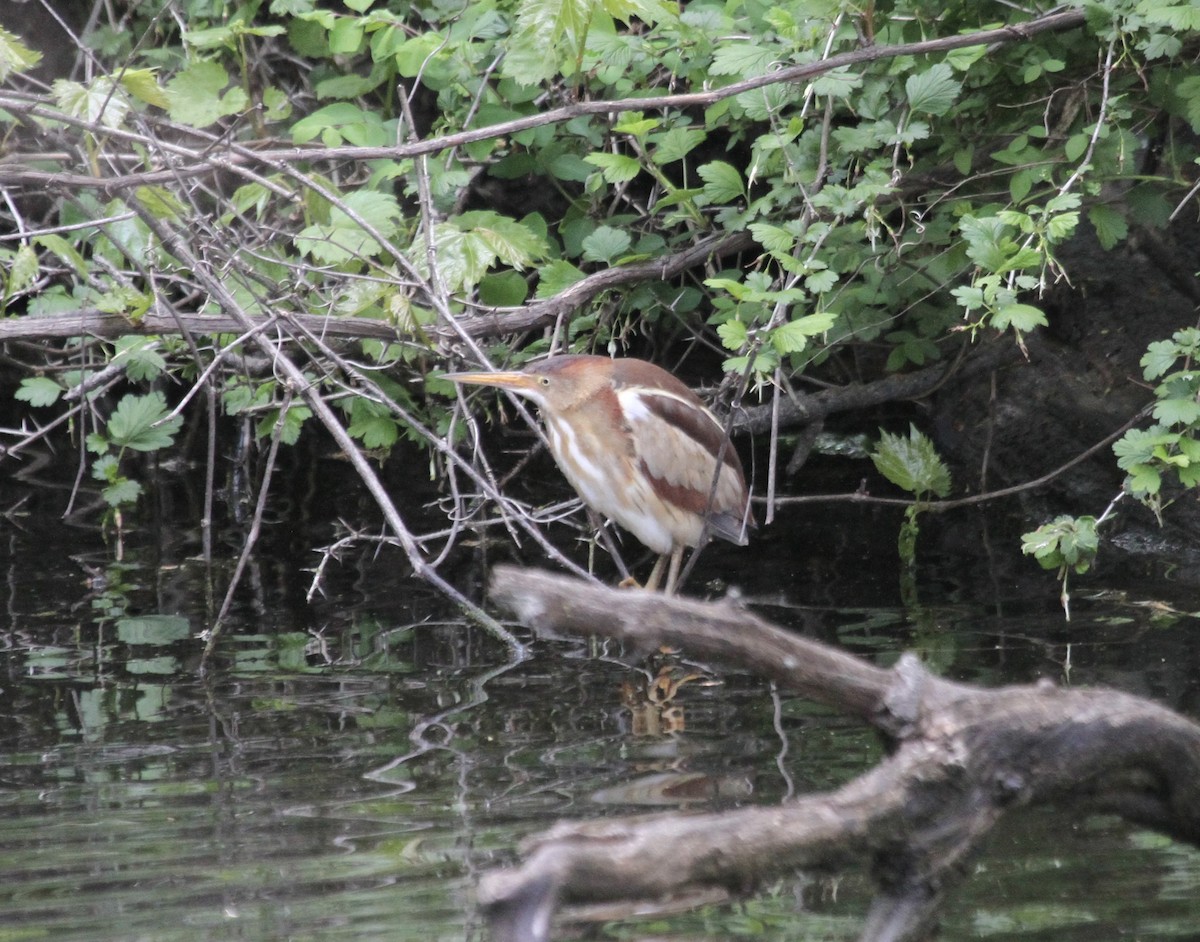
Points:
x=101 y=102
x=1109 y=224
x=635 y=125
x=346 y=35
x=821 y=281
x=1188 y=91
x=733 y=334
x=64 y=250
x=676 y=144
x=143 y=85
x=1144 y=479
x=372 y=424
x=293 y=420
x=555 y=277
x=1181 y=17
x=772 y=238
x=1158 y=359
x=123 y=491
x=510 y=241
x=722 y=182
x=38 y=391
x=932 y=91
x=161 y=202
x=1020 y=317
x=342 y=238
x=503 y=289
x=605 y=244
x=195 y=95
x=743 y=59
x=912 y=463
x=616 y=168
x=1177 y=411
x=22 y=271
x=15 y=56
x=544 y=31
x=134 y=423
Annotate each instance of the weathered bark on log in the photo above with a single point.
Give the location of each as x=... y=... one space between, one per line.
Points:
x=962 y=756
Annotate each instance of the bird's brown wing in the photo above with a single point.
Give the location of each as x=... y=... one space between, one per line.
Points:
x=677 y=445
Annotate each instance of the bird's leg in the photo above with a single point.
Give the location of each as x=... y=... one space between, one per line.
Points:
x=673 y=572
x=656 y=574
x=606 y=537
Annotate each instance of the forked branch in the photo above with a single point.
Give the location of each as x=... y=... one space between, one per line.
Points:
x=962 y=757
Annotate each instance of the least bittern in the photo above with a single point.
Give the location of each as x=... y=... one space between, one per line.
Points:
x=640 y=448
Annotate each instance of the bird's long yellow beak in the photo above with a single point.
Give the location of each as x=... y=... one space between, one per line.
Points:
x=514 y=380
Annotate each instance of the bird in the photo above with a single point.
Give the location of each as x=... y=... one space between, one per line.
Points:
x=640 y=448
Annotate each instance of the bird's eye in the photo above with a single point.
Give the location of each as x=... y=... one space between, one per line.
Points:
x=544 y=380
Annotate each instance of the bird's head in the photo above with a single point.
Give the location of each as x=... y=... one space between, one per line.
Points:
x=555 y=385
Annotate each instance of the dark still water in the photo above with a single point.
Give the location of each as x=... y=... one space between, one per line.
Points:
x=346 y=767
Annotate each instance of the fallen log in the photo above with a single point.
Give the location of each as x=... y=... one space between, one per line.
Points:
x=960 y=758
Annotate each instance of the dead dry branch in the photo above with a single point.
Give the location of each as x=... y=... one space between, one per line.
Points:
x=961 y=757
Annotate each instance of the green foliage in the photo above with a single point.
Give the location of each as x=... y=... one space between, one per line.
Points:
x=912 y=463
x=15 y=56
x=1065 y=544
x=1167 y=452
x=890 y=208
x=39 y=391
x=141 y=423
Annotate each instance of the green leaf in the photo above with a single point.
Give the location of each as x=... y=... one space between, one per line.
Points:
x=120 y=492
x=733 y=334
x=1181 y=17
x=15 y=56
x=605 y=244
x=293 y=420
x=101 y=102
x=141 y=423
x=346 y=35
x=1188 y=90
x=153 y=629
x=64 y=250
x=22 y=270
x=772 y=238
x=195 y=95
x=503 y=289
x=545 y=30
x=1177 y=411
x=555 y=277
x=676 y=144
x=1144 y=479
x=793 y=336
x=1109 y=224
x=372 y=424
x=1020 y=317
x=722 y=182
x=161 y=202
x=143 y=85
x=140 y=357
x=932 y=91
x=1065 y=541
x=511 y=242
x=912 y=463
x=343 y=239
x=1159 y=357
x=743 y=59
x=38 y=391
x=617 y=168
